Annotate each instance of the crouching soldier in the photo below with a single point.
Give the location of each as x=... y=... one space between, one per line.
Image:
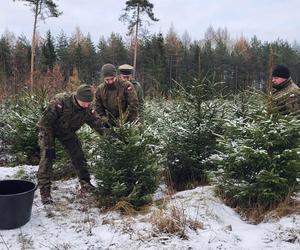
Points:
x=65 y=114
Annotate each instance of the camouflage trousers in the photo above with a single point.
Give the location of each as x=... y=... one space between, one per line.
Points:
x=73 y=147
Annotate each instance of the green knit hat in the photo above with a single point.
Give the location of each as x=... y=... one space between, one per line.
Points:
x=84 y=93
x=108 y=70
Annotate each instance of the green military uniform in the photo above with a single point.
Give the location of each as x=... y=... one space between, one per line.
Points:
x=112 y=99
x=62 y=118
x=126 y=70
x=140 y=94
x=286 y=98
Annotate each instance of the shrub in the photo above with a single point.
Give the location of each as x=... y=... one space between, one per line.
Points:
x=191 y=137
x=19 y=116
x=260 y=161
x=127 y=167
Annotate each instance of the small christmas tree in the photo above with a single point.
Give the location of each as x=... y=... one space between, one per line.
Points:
x=191 y=137
x=260 y=161
x=127 y=167
x=19 y=128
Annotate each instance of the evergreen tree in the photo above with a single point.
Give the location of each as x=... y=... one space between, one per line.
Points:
x=196 y=70
x=187 y=73
x=256 y=63
x=48 y=53
x=89 y=66
x=208 y=58
x=102 y=51
x=192 y=133
x=76 y=52
x=21 y=60
x=5 y=61
x=63 y=57
x=222 y=59
x=41 y=9
x=241 y=65
x=260 y=164
x=174 y=53
x=137 y=8
x=153 y=66
x=116 y=49
x=127 y=169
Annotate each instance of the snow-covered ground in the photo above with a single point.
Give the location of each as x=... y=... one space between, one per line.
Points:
x=76 y=222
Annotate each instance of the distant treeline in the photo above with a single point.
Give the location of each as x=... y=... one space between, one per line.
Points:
x=162 y=60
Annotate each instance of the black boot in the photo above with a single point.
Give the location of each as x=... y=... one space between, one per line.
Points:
x=46 y=195
x=86 y=186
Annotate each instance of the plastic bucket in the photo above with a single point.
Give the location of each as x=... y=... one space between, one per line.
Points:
x=16 y=198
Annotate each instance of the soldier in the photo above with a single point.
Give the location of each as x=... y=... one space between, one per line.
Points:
x=286 y=94
x=115 y=97
x=65 y=114
x=125 y=72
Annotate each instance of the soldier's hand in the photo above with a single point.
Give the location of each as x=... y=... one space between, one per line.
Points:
x=105 y=122
x=50 y=153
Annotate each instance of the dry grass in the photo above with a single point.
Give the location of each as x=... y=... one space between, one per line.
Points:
x=173 y=221
x=258 y=214
x=125 y=207
x=25 y=241
x=283 y=209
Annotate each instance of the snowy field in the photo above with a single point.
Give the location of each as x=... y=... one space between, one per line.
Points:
x=75 y=222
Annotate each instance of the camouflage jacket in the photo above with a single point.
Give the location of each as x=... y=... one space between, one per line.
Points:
x=117 y=98
x=286 y=98
x=140 y=94
x=63 y=117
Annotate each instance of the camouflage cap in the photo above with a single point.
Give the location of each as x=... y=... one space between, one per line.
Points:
x=84 y=93
x=108 y=70
x=125 y=69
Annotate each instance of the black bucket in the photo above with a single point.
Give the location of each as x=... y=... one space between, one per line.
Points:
x=16 y=198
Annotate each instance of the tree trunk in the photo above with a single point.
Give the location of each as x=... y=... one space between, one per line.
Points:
x=236 y=79
x=269 y=87
x=136 y=40
x=199 y=64
x=33 y=43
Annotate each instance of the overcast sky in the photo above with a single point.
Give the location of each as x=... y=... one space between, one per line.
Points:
x=268 y=19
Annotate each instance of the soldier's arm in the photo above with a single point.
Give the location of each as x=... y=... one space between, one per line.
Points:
x=94 y=121
x=140 y=94
x=47 y=121
x=293 y=102
x=100 y=109
x=132 y=101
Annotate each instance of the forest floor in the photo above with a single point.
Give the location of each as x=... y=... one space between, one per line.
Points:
x=198 y=218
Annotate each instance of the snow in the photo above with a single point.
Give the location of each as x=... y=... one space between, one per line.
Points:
x=77 y=222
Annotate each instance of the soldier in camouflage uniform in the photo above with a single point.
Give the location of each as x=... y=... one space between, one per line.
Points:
x=65 y=114
x=115 y=97
x=125 y=72
x=286 y=94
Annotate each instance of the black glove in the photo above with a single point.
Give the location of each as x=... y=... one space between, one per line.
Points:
x=50 y=153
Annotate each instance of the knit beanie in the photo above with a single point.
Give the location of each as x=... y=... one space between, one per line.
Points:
x=108 y=70
x=84 y=93
x=281 y=71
